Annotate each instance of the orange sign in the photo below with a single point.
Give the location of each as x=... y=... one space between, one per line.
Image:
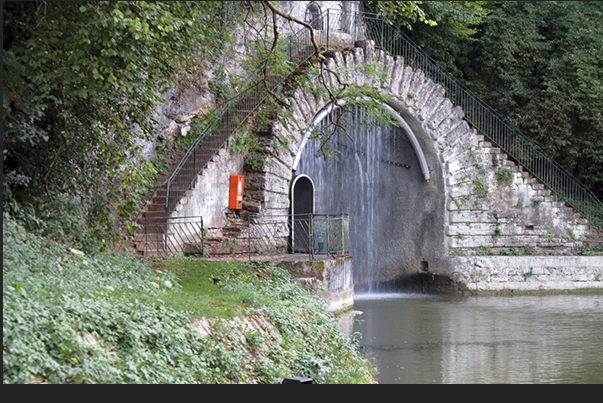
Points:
x=237 y=186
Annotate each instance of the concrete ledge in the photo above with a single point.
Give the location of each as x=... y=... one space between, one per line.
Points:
x=330 y=278
x=528 y=273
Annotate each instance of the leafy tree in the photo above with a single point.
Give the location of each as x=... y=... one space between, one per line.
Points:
x=541 y=65
x=445 y=30
x=81 y=83
x=402 y=13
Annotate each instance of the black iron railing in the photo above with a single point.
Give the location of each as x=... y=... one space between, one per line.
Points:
x=166 y=236
x=305 y=234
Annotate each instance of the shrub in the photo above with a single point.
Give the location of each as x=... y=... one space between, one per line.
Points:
x=75 y=317
x=504 y=177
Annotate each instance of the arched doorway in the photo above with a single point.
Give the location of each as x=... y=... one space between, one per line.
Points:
x=302 y=207
x=314 y=16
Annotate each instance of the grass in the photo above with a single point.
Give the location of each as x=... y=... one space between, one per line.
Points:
x=199 y=295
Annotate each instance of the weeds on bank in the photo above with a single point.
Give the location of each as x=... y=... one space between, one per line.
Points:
x=75 y=317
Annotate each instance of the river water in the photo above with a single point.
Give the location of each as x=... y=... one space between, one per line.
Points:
x=428 y=339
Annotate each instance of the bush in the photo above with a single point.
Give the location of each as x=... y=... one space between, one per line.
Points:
x=71 y=317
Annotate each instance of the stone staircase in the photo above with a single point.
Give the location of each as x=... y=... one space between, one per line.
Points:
x=149 y=242
x=513 y=215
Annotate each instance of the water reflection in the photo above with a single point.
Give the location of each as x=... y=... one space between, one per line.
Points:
x=420 y=339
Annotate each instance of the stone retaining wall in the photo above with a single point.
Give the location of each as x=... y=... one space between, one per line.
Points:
x=508 y=274
x=491 y=205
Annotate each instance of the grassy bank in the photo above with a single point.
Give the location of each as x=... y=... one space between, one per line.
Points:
x=103 y=318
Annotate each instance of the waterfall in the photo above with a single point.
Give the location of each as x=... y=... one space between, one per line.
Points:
x=371 y=179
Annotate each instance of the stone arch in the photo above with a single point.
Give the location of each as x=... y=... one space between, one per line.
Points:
x=401 y=213
x=467 y=219
x=330 y=107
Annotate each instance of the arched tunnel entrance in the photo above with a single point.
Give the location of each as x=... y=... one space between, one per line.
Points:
x=388 y=179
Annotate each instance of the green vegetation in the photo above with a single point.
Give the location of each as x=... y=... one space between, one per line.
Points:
x=542 y=70
x=505 y=177
x=200 y=297
x=480 y=189
x=82 y=81
x=592 y=250
x=73 y=317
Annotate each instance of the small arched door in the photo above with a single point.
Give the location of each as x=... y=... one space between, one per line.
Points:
x=302 y=207
x=314 y=16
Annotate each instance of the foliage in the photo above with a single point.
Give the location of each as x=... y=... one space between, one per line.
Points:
x=541 y=64
x=505 y=176
x=480 y=189
x=81 y=82
x=219 y=86
x=451 y=41
x=309 y=341
x=74 y=317
x=403 y=13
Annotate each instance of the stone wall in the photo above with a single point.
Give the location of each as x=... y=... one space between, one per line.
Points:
x=211 y=195
x=511 y=274
x=330 y=278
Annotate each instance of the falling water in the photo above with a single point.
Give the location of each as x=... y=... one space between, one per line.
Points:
x=372 y=179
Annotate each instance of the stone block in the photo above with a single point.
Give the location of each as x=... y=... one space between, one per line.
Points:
x=432 y=103
x=397 y=76
x=438 y=116
x=405 y=82
x=389 y=68
x=472 y=217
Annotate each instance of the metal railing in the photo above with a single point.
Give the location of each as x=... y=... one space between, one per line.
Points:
x=166 y=236
x=344 y=29
x=524 y=151
x=305 y=234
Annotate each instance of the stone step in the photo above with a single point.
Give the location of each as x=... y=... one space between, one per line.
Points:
x=152 y=253
x=160 y=200
x=153 y=214
x=150 y=246
x=155 y=207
